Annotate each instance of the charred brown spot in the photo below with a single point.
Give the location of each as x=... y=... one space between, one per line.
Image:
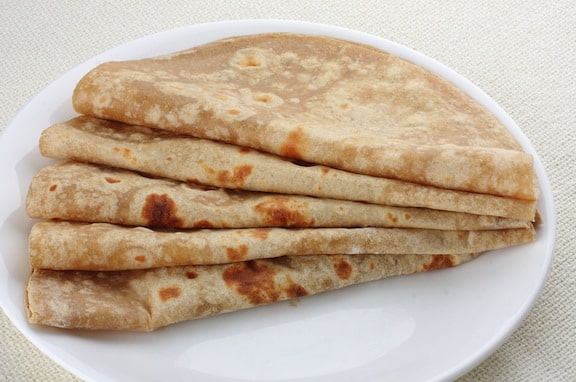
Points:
x=282 y=212
x=254 y=280
x=295 y=291
x=325 y=170
x=343 y=269
x=407 y=216
x=191 y=275
x=234 y=112
x=295 y=144
x=372 y=266
x=392 y=217
x=160 y=211
x=234 y=179
x=439 y=262
x=237 y=254
x=202 y=224
x=169 y=159
x=260 y=233
x=250 y=61
x=169 y=293
x=126 y=153
x=140 y=258
x=53 y=187
x=110 y=179
x=262 y=98
x=237 y=177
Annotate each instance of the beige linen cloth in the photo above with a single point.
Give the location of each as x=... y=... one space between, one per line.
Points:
x=522 y=53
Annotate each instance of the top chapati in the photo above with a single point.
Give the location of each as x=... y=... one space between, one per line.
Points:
x=321 y=100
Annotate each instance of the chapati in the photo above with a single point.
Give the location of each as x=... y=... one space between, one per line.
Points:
x=145 y=300
x=320 y=100
x=90 y=193
x=100 y=246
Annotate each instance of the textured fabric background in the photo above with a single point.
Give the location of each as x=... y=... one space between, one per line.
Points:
x=521 y=52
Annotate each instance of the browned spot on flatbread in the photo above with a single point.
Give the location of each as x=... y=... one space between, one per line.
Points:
x=202 y=224
x=391 y=217
x=125 y=152
x=324 y=170
x=296 y=290
x=260 y=233
x=439 y=262
x=112 y=180
x=237 y=254
x=169 y=293
x=264 y=98
x=237 y=177
x=254 y=280
x=283 y=212
x=191 y=275
x=407 y=216
x=160 y=211
x=296 y=143
x=250 y=61
x=140 y=258
x=343 y=269
x=53 y=187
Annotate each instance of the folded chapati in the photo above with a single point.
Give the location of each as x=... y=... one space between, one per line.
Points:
x=207 y=162
x=99 y=246
x=320 y=100
x=91 y=193
x=144 y=300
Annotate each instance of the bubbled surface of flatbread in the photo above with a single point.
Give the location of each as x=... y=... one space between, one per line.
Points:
x=321 y=100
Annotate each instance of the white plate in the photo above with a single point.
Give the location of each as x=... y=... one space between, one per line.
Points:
x=425 y=327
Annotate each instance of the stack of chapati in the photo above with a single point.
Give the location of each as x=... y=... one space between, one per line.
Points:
x=258 y=169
